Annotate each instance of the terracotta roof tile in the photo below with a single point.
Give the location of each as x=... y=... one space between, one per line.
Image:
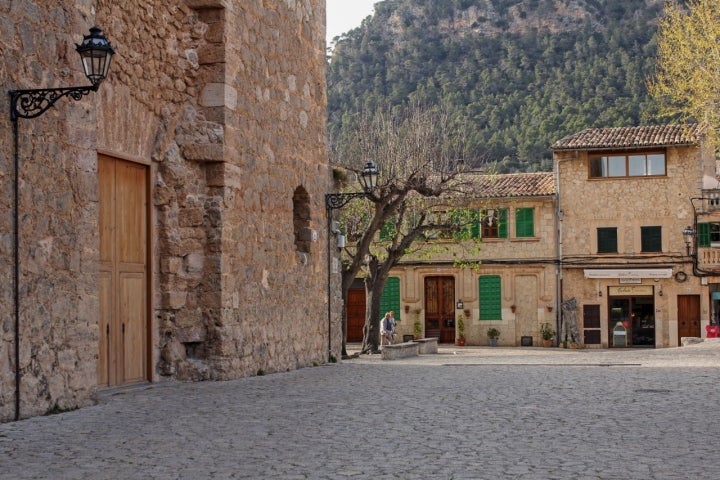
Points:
x=515 y=185
x=631 y=137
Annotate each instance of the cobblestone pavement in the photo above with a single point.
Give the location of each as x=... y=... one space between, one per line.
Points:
x=465 y=413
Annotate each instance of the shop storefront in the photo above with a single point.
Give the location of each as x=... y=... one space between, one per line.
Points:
x=632 y=296
x=631 y=316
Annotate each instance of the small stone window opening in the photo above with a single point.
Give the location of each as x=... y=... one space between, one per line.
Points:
x=301 y=220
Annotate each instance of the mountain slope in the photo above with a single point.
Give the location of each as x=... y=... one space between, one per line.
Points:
x=519 y=73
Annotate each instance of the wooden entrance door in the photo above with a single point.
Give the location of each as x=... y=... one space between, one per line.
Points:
x=355 y=311
x=688 y=316
x=440 y=308
x=123 y=188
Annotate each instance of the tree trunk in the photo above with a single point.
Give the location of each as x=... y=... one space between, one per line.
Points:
x=343 y=322
x=371 y=330
x=374 y=285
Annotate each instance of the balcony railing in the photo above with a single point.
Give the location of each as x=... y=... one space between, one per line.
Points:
x=709 y=259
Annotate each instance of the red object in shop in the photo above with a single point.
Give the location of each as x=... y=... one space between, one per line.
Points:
x=713 y=331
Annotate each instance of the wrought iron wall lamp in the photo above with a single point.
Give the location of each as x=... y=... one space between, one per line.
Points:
x=96 y=53
x=368 y=181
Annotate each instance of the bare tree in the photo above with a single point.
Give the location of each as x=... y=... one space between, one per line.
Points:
x=420 y=157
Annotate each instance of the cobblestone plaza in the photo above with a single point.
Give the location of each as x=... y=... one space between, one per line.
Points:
x=465 y=413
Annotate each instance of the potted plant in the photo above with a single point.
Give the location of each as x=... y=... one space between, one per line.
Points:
x=493 y=335
x=417 y=325
x=461 y=331
x=513 y=308
x=547 y=333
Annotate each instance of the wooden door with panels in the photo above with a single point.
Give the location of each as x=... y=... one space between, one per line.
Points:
x=688 y=316
x=440 y=308
x=123 y=218
x=355 y=312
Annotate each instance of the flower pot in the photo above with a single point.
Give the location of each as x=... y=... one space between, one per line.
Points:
x=513 y=308
x=461 y=342
x=492 y=342
x=547 y=343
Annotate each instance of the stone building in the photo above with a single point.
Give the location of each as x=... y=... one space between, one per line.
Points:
x=625 y=198
x=171 y=225
x=512 y=288
x=622 y=249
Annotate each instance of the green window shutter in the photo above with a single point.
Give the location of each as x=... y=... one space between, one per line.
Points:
x=387 y=232
x=703 y=234
x=502 y=223
x=475 y=226
x=390 y=298
x=467 y=222
x=607 y=240
x=525 y=222
x=490 y=297
x=651 y=239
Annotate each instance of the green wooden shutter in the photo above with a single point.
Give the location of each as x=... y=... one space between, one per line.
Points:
x=703 y=234
x=490 y=297
x=607 y=240
x=525 y=222
x=651 y=239
x=387 y=232
x=502 y=223
x=475 y=226
x=390 y=298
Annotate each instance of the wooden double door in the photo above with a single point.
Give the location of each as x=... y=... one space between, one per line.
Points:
x=440 y=308
x=123 y=286
x=355 y=311
x=688 y=316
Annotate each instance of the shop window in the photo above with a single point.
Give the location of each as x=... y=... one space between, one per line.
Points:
x=591 y=324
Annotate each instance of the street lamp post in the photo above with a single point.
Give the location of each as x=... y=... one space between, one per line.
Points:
x=368 y=180
x=689 y=236
x=96 y=53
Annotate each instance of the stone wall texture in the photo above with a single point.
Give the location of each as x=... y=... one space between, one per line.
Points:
x=224 y=101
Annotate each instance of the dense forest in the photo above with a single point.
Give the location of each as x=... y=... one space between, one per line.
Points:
x=517 y=74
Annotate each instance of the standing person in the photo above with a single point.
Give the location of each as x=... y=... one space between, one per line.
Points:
x=387 y=329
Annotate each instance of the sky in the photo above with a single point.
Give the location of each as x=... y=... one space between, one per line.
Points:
x=344 y=15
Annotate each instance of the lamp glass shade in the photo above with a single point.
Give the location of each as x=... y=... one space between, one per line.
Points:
x=688 y=233
x=96 y=53
x=368 y=177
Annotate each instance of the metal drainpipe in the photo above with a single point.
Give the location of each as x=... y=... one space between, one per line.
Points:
x=16 y=265
x=328 y=214
x=558 y=245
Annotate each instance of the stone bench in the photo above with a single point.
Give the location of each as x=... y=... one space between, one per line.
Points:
x=400 y=350
x=427 y=345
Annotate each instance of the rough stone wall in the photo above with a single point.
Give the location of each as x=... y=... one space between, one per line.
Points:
x=58 y=233
x=226 y=103
x=273 y=307
x=241 y=129
x=628 y=203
